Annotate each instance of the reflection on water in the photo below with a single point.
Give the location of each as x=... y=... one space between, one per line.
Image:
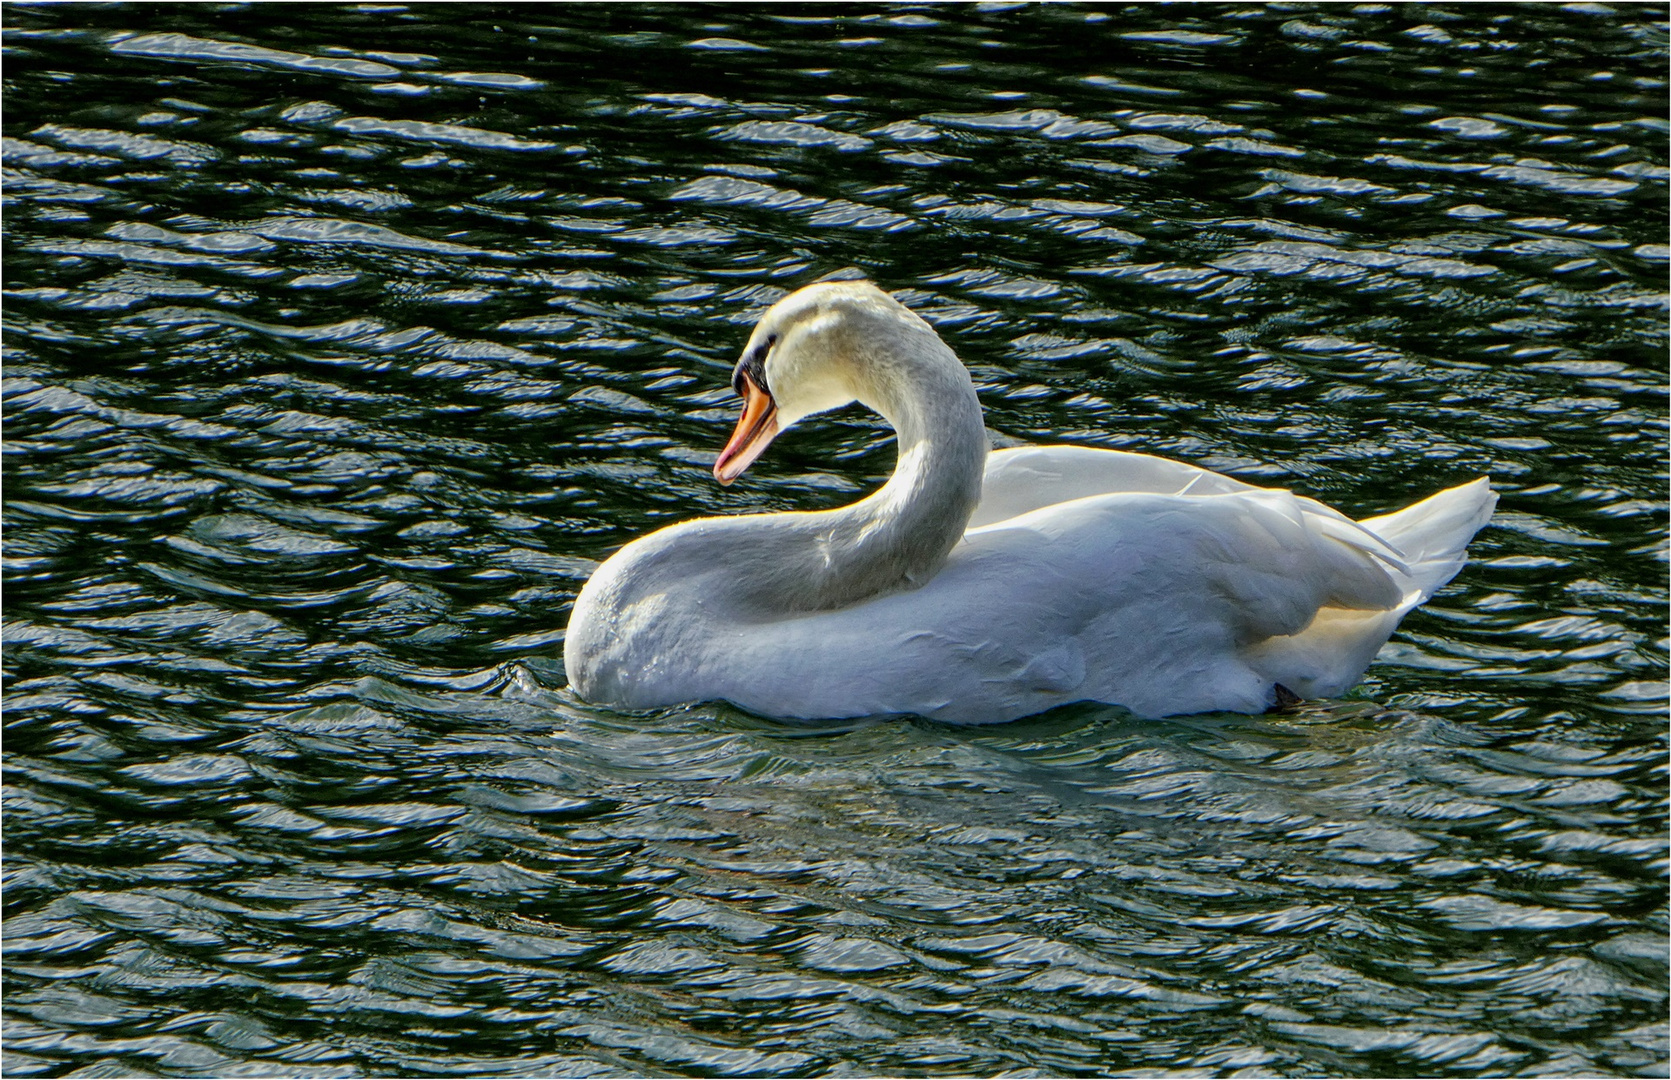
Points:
x=341 y=342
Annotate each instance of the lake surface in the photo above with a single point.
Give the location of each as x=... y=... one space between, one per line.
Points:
x=341 y=342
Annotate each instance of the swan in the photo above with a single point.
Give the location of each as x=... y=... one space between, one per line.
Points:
x=980 y=586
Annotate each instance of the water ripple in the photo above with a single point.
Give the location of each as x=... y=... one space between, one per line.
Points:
x=331 y=374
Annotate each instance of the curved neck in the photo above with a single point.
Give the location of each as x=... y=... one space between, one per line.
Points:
x=898 y=537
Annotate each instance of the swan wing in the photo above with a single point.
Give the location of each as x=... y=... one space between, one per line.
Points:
x=1026 y=478
x=1254 y=562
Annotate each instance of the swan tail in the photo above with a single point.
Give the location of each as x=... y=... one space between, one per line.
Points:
x=1333 y=651
x=1433 y=535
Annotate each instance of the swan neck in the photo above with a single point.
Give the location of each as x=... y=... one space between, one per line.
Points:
x=899 y=537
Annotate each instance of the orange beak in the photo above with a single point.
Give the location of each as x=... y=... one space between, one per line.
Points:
x=754 y=432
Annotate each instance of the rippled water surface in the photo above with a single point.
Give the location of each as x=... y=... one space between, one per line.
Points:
x=341 y=342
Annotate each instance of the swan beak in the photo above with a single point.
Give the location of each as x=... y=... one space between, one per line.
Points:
x=755 y=430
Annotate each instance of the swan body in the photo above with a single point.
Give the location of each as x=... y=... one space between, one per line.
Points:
x=978 y=587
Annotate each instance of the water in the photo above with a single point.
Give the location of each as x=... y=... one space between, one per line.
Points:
x=341 y=342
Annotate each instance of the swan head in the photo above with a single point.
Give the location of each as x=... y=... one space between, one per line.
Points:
x=817 y=349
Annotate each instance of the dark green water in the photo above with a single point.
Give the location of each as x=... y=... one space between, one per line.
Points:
x=341 y=341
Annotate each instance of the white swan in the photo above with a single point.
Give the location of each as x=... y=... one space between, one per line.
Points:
x=978 y=587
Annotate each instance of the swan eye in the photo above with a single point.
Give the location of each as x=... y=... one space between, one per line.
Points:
x=753 y=364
